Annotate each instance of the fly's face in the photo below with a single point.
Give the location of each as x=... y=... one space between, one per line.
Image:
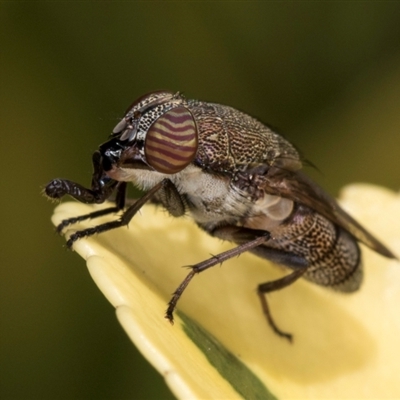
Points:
x=157 y=133
x=239 y=181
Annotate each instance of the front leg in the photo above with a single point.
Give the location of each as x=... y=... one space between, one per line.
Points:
x=170 y=198
x=119 y=205
x=125 y=218
x=101 y=188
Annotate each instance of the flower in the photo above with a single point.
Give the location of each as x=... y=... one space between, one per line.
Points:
x=345 y=345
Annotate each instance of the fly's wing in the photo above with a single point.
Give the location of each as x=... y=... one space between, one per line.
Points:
x=298 y=187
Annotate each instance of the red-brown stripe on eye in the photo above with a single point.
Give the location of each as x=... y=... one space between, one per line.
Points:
x=167 y=147
x=183 y=135
x=173 y=128
x=171 y=142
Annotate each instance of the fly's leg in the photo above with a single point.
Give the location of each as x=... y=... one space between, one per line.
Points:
x=298 y=264
x=101 y=189
x=211 y=262
x=254 y=241
x=119 y=205
x=125 y=218
x=268 y=287
x=170 y=198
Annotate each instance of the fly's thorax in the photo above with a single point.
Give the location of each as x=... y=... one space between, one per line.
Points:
x=215 y=199
x=210 y=197
x=230 y=140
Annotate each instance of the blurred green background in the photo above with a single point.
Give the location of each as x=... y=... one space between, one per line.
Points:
x=326 y=74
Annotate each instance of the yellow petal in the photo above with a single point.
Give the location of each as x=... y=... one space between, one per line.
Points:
x=345 y=345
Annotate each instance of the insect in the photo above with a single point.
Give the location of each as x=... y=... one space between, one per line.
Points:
x=237 y=179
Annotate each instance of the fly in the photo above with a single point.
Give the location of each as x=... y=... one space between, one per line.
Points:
x=237 y=179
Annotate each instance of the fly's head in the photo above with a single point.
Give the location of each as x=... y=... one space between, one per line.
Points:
x=158 y=133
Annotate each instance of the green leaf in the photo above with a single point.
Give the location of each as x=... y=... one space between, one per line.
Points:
x=239 y=376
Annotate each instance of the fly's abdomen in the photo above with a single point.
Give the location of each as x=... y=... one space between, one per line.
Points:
x=339 y=265
x=332 y=254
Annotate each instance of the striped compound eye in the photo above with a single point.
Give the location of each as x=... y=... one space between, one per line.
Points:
x=171 y=142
